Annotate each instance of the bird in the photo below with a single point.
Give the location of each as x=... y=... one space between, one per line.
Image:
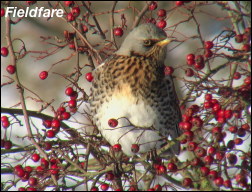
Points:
x=130 y=87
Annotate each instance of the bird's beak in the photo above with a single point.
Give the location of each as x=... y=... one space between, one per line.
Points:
x=164 y=42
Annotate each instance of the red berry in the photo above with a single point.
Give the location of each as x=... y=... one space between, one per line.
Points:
x=208 y=53
x=216 y=107
x=94 y=189
x=28 y=169
x=197 y=121
x=69 y=91
x=208 y=97
x=65 y=115
x=69 y=3
x=47 y=146
x=179 y=3
x=228 y=114
x=237 y=75
x=219 y=155
x=211 y=151
x=31 y=2
x=35 y=157
x=153 y=6
x=213 y=175
x=109 y=176
x=4 y=118
x=75 y=11
x=7 y=144
x=158 y=187
x=187 y=182
x=117 y=147
x=160 y=169
x=238 y=141
x=209 y=44
x=233 y=129
x=47 y=123
x=199 y=66
x=221 y=120
x=190 y=57
x=85 y=28
x=118 y=31
x=208 y=104
x=11 y=69
x=44 y=163
x=4 y=50
x=43 y=75
x=227 y=184
x=89 y=77
x=208 y=159
x=50 y=134
x=247 y=80
x=161 y=24
x=2 y=12
x=204 y=171
x=192 y=146
x=31 y=189
x=72 y=103
x=219 y=181
x=172 y=167
x=189 y=135
x=241 y=132
x=232 y=158
x=199 y=59
x=190 y=62
x=104 y=187
x=239 y=38
x=112 y=122
x=74 y=95
x=32 y=181
x=161 y=13
x=21 y=189
x=20 y=172
x=168 y=70
x=196 y=161
x=189 y=72
x=5 y=124
x=70 y=17
x=134 y=148
x=200 y=152
x=56 y=123
x=246 y=47
x=187 y=126
x=71 y=46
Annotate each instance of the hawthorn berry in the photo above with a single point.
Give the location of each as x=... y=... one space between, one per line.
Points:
x=7 y=144
x=35 y=157
x=168 y=70
x=4 y=50
x=47 y=123
x=153 y=6
x=213 y=175
x=72 y=103
x=161 y=13
x=172 y=167
x=227 y=183
x=47 y=146
x=75 y=11
x=239 y=38
x=208 y=45
x=208 y=53
x=219 y=181
x=187 y=182
x=189 y=72
x=70 y=17
x=2 y=12
x=161 y=24
x=5 y=124
x=208 y=160
x=89 y=77
x=200 y=152
x=104 y=187
x=43 y=75
x=109 y=176
x=85 y=28
x=50 y=134
x=20 y=172
x=117 y=147
x=32 y=181
x=69 y=3
x=204 y=171
x=179 y=3
x=237 y=75
x=69 y=91
x=192 y=146
x=11 y=69
x=160 y=169
x=112 y=122
x=134 y=148
x=118 y=31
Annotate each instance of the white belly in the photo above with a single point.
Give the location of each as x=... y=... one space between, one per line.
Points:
x=133 y=116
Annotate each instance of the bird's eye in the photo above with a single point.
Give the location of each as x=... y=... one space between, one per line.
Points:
x=148 y=43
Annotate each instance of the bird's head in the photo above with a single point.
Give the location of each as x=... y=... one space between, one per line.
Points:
x=145 y=40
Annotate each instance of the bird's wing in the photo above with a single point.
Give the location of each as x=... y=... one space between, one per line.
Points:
x=175 y=131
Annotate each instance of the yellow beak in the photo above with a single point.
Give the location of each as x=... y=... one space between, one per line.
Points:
x=164 y=42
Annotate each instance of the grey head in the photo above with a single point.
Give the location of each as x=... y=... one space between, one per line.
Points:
x=142 y=40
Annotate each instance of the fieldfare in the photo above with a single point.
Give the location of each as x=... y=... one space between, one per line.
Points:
x=131 y=88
